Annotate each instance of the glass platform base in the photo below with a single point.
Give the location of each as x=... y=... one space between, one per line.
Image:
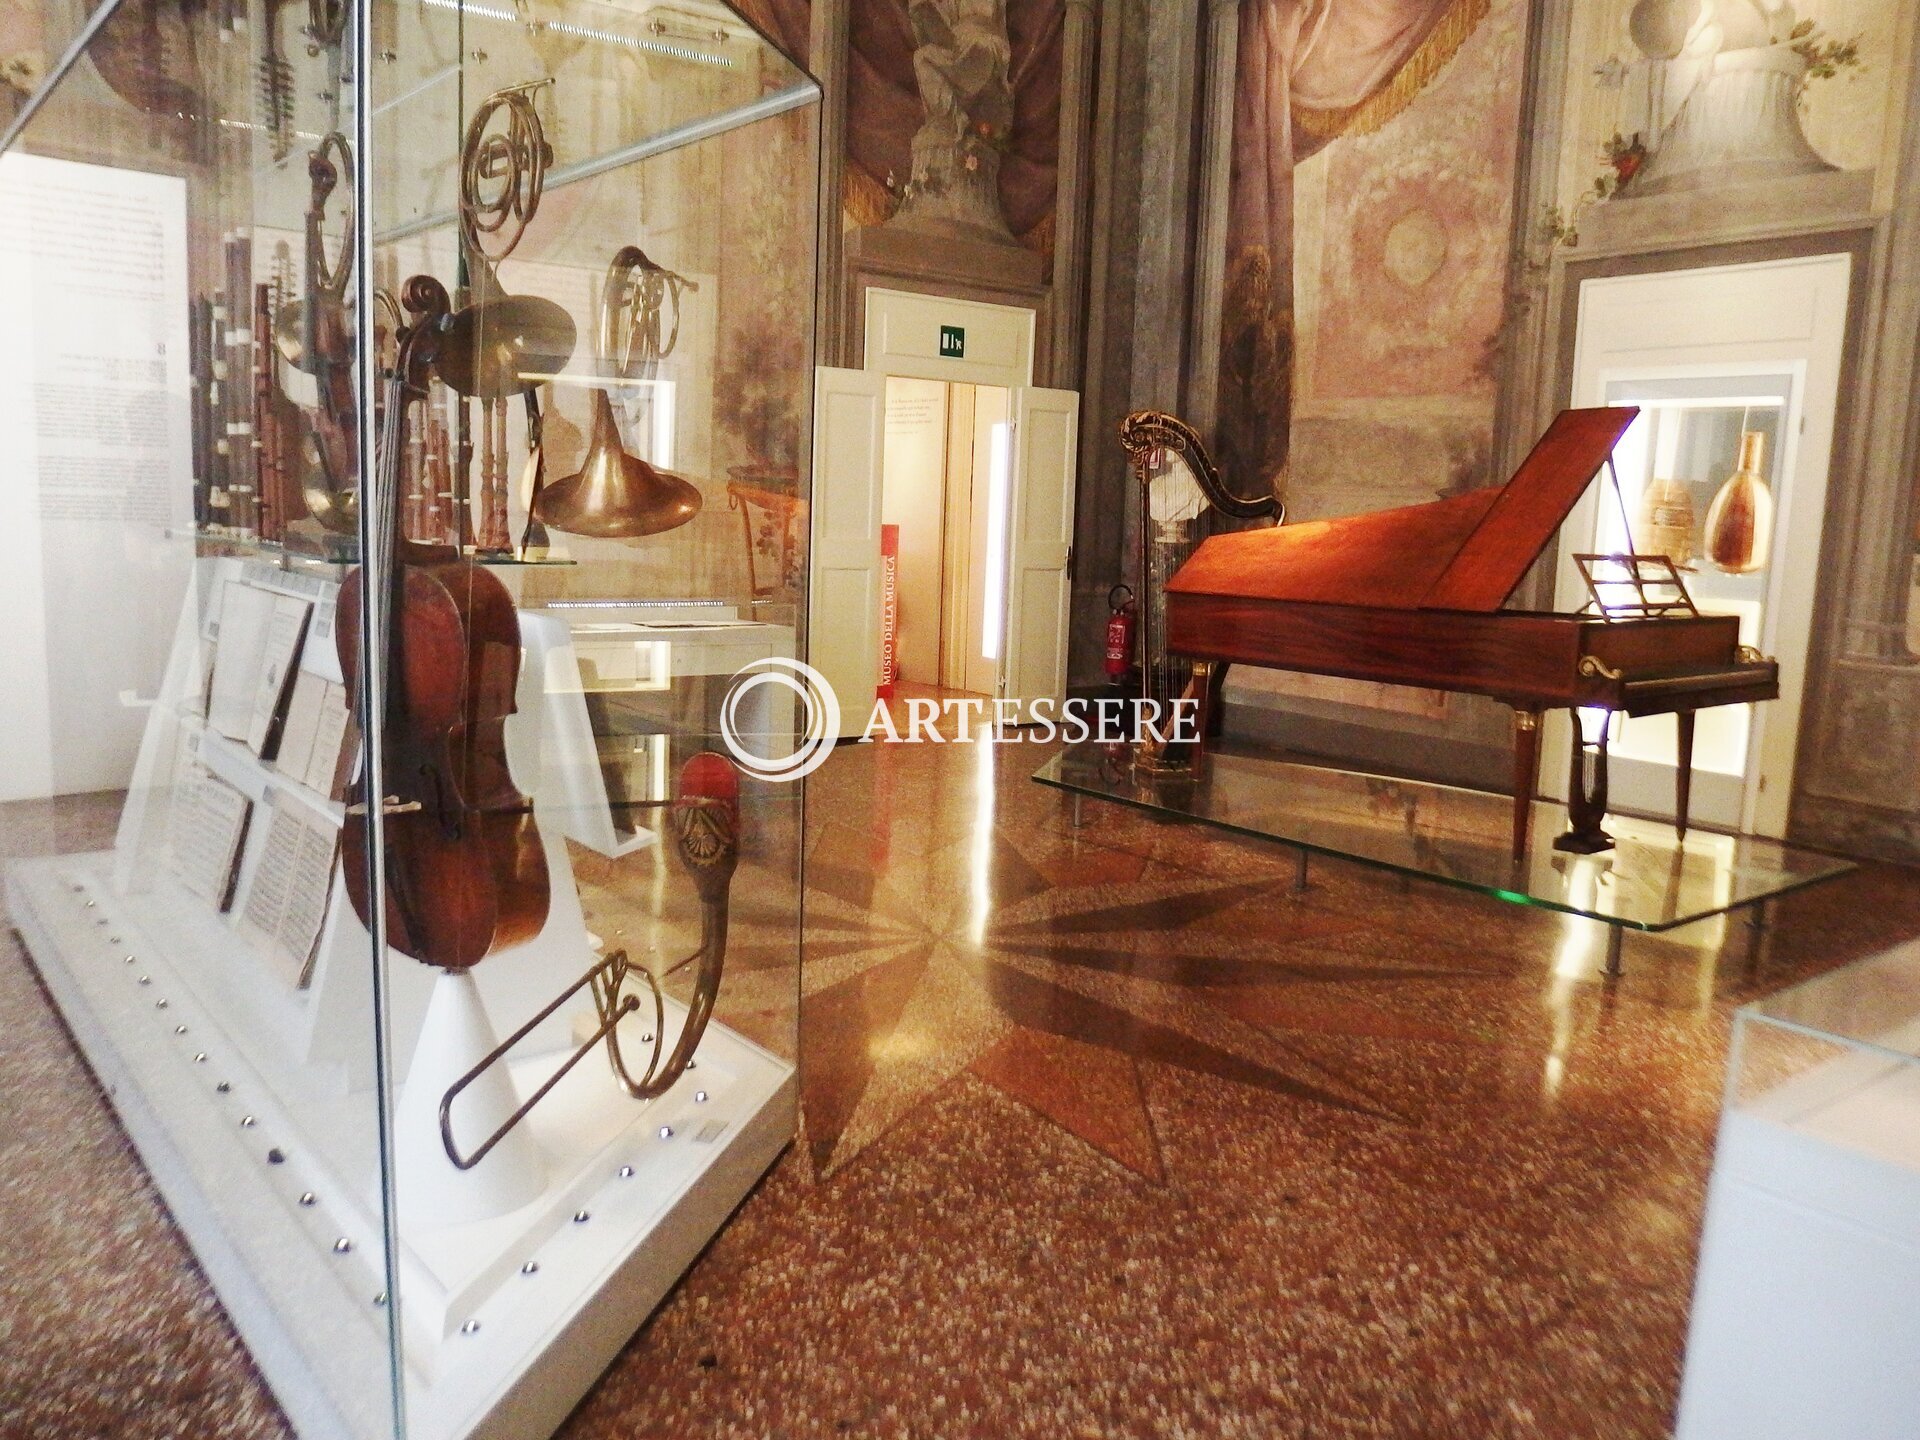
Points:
x=1651 y=880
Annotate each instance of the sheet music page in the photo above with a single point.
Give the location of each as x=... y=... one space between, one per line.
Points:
x=217 y=582
x=246 y=613
x=327 y=770
x=287 y=897
x=267 y=890
x=279 y=653
x=205 y=830
x=298 y=942
x=295 y=753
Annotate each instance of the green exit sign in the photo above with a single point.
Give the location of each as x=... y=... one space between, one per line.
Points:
x=953 y=342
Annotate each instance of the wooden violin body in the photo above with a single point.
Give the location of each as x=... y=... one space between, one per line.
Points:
x=465 y=871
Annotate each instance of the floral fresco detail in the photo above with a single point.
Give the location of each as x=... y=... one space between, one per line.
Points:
x=1717 y=94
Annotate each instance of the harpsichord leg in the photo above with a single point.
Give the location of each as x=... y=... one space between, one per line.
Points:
x=1526 y=775
x=1216 y=709
x=1586 y=794
x=1205 y=693
x=1683 y=773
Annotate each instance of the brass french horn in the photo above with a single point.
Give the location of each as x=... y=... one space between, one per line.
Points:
x=499 y=345
x=705 y=825
x=616 y=495
x=496 y=340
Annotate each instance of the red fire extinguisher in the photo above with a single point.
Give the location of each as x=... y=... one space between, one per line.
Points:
x=1120 y=622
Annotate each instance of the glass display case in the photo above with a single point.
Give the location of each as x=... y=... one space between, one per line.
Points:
x=409 y=412
x=1803 y=1317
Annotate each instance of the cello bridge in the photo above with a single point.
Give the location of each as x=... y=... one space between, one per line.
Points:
x=392 y=805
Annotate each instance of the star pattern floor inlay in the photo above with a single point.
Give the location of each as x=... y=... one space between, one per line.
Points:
x=1106 y=1132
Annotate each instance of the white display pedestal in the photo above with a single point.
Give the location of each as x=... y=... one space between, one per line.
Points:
x=310 y=1312
x=431 y=1190
x=250 y=1103
x=609 y=648
x=1806 y=1317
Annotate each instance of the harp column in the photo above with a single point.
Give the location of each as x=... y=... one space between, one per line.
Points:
x=1216 y=178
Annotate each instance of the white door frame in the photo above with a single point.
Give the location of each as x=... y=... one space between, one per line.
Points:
x=1717 y=331
x=903 y=338
x=1045 y=437
x=843 y=579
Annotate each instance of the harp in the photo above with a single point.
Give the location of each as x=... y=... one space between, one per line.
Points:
x=1182 y=500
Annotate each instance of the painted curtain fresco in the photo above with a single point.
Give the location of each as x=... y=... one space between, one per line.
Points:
x=1381 y=289
x=785 y=22
x=1375 y=147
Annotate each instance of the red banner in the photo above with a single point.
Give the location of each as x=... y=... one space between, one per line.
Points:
x=889 y=609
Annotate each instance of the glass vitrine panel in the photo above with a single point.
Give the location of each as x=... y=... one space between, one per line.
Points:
x=1652 y=879
x=401 y=526
x=179 y=735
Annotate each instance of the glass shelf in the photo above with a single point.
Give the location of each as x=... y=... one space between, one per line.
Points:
x=345 y=552
x=1651 y=880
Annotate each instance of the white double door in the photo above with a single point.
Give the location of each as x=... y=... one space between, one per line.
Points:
x=843 y=628
x=1709 y=354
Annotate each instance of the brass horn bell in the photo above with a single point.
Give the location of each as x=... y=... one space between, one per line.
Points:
x=615 y=495
x=496 y=348
x=497 y=344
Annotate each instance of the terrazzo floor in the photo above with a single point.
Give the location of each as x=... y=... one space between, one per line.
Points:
x=1107 y=1133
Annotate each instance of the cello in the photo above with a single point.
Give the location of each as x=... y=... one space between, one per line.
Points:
x=465 y=871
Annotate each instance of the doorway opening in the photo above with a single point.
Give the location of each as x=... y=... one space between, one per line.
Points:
x=1736 y=371
x=946 y=484
x=985 y=511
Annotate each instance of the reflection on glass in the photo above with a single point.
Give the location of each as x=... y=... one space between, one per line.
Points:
x=183 y=782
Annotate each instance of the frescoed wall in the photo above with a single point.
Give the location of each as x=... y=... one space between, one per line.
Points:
x=1400 y=271
x=1404 y=113
x=885 y=107
x=1361 y=335
x=1620 y=97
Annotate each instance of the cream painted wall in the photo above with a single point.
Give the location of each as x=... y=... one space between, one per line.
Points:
x=912 y=497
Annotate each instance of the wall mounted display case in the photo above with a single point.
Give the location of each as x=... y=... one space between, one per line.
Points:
x=1803 y=1315
x=391 y=379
